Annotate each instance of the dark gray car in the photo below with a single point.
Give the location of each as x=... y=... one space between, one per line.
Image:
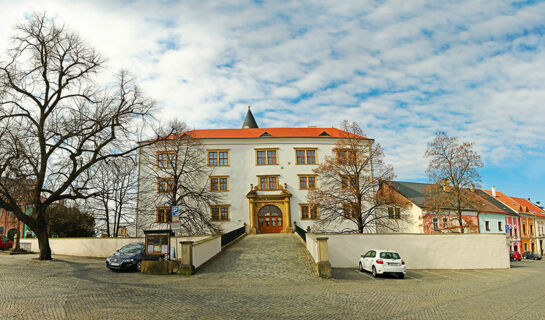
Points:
x=126 y=258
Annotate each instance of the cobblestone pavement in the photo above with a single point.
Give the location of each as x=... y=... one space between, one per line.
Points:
x=264 y=277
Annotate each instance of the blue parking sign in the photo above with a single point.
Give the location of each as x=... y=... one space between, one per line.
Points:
x=175 y=211
x=507 y=228
x=175 y=214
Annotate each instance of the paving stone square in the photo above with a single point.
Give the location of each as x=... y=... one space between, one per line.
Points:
x=264 y=277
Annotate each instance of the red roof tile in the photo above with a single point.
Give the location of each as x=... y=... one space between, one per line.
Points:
x=270 y=132
x=518 y=204
x=529 y=207
x=506 y=200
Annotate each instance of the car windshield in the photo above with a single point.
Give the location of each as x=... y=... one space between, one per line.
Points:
x=131 y=248
x=389 y=255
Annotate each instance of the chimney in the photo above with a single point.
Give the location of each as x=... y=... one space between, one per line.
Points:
x=494 y=191
x=445 y=184
x=472 y=188
x=529 y=200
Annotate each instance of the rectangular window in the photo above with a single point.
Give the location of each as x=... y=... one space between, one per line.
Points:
x=346 y=156
x=166 y=159
x=218 y=184
x=499 y=226
x=531 y=229
x=268 y=183
x=212 y=159
x=165 y=185
x=511 y=232
x=305 y=156
x=307 y=182
x=350 y=210
x=261 y=157
x=348 y=181
x=487 y=225
x=445 y=222
x=524 y=229
x=220 y=213
x=218 y=158
x=266 y=157
x=435 y=222
x=223 y=158
x=271 y=157
x=394 y=213
x=309 y=212
x=525 y=247
x=163 y=215
x=300 y=156
x=2 y=230
x=272 y=183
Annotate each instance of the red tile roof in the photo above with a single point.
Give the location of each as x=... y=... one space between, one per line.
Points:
x=270 y=132
x=529 y=207
x=518 y=204
x=506 y=200
x=484 y=205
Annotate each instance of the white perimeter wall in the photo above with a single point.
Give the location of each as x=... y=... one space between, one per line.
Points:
x=205 y=249
x=102 y=247
x=420 y=251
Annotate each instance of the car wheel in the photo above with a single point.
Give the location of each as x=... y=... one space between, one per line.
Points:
x=361 y=267
x=374 y=272
x=139 y=266
x=401 y=276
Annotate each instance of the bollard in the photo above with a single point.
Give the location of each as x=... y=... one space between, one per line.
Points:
x=187 y=268
x=323 y=265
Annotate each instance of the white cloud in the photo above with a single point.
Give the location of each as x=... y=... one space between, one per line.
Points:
x=402 y=69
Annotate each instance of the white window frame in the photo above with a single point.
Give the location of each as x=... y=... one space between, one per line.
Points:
x=435 y=224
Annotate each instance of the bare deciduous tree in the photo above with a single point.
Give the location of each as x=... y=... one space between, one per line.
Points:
x=57 y=121
x=114 y=204
x=452 y=168
x=349 y=182
x=174 y=172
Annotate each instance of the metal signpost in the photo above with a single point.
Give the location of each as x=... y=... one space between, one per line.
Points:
x=175 y=226
x=508 y=240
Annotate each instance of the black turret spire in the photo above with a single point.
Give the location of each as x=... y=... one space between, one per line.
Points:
x=249 y=121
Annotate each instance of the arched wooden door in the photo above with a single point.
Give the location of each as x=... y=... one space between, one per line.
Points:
x=270 y=219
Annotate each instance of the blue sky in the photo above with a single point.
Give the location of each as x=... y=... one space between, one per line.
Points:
x=401 y=69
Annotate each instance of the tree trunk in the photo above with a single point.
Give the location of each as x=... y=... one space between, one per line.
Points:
x=360 y=225
x=43 y=242
x=459 y=209
x=17 y=242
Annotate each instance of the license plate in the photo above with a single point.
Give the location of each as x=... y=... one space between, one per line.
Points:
x=393 y=264
x=115 y=264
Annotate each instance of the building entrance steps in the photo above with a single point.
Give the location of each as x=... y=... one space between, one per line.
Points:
x=263 y=256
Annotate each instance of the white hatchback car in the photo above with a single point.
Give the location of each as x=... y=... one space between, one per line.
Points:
x=382 y=261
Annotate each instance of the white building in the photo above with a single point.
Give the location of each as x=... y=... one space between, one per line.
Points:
x=263 y=174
